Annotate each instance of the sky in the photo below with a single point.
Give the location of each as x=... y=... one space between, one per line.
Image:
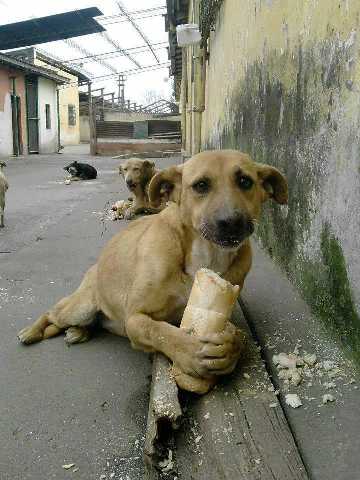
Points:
x=137 y=85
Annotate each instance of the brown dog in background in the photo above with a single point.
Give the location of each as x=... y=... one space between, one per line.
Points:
x=137 y=174
x=142 y=280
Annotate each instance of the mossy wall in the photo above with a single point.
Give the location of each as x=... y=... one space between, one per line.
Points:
x=283 y=84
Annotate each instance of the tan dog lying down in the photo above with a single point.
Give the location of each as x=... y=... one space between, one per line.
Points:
x=137 y=174
x=142 y=280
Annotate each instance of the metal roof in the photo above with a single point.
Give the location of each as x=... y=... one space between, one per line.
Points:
x=50 y=28
x=29 y=55
x=31 y=69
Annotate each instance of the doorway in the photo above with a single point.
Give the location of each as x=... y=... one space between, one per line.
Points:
x=32 y=114
x=16 y=125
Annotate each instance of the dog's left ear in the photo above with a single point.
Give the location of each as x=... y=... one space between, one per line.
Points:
x=274 y=183
x=149 y=164
x=165 y=186
x=149 y=169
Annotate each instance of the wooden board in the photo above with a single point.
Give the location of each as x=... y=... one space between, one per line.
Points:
x=233 y=432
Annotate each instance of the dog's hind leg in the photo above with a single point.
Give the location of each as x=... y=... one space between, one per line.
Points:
x=51 y=331
x=77 y=310
x=77 y=335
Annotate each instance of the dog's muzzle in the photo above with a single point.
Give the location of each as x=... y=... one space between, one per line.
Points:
x=73 y=171
x=131 y=185
x=228 y=232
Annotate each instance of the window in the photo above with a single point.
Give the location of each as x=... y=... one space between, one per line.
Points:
x=47 y=116
x=71 y=115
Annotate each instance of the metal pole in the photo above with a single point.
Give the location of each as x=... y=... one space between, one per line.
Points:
x=92 y=124
x=58 y=118
x=123 y=89
x=119 y=88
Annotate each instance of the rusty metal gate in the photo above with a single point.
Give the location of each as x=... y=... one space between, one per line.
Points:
x=114 y=129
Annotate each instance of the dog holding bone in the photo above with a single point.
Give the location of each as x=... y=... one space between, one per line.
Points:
x=142 y=280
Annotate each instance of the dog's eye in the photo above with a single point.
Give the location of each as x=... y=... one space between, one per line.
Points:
x=244 y=182
x=202 y=186
x=136 y=169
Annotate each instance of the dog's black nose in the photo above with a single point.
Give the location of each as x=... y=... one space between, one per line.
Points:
x=234 y=226
x=130 y=184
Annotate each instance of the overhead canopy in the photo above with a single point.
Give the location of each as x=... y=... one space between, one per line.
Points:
x=50 y=28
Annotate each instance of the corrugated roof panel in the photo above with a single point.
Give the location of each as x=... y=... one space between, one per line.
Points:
x=50 y=28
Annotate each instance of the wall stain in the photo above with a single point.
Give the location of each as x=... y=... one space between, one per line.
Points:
x=326 y=287
x=283 y=113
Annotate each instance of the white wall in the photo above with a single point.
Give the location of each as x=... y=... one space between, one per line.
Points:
x=6 y=139
x=84 y=129
x=48 y=138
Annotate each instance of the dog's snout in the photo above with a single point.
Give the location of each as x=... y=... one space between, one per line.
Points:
x=233 y=225
x=130 y=183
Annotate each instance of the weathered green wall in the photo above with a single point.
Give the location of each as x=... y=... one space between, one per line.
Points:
x=283 y=84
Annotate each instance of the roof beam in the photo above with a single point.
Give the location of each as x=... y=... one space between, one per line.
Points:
x=137 y=28
x=107 y=37
x=85 y=51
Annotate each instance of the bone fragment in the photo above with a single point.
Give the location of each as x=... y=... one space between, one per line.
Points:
x=120 y=208
x=293 y=400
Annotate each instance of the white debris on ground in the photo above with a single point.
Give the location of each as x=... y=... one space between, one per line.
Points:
x=293 y=400
x=328 y=398
x=294 y=369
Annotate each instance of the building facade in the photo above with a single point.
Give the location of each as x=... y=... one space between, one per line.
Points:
x=13 y=131
x=281 y=81
x=28 y=108
x=68 y=93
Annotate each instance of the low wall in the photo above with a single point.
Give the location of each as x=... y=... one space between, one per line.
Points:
x=149 y=148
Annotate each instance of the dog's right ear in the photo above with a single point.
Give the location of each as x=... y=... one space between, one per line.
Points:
x=165 y=186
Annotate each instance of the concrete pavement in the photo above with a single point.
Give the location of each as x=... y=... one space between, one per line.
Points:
x=327 y=435
x=86 y=404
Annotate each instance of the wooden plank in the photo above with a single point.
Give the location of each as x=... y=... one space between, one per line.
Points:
x=234 y=433
x=163 y=416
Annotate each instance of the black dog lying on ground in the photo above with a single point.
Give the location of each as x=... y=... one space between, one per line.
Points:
x=81 y=171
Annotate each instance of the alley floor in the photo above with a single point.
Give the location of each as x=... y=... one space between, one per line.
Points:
x=87 y=404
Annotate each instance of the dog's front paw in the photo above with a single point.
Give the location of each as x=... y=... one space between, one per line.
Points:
x=30 y=335
x=221 y=351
